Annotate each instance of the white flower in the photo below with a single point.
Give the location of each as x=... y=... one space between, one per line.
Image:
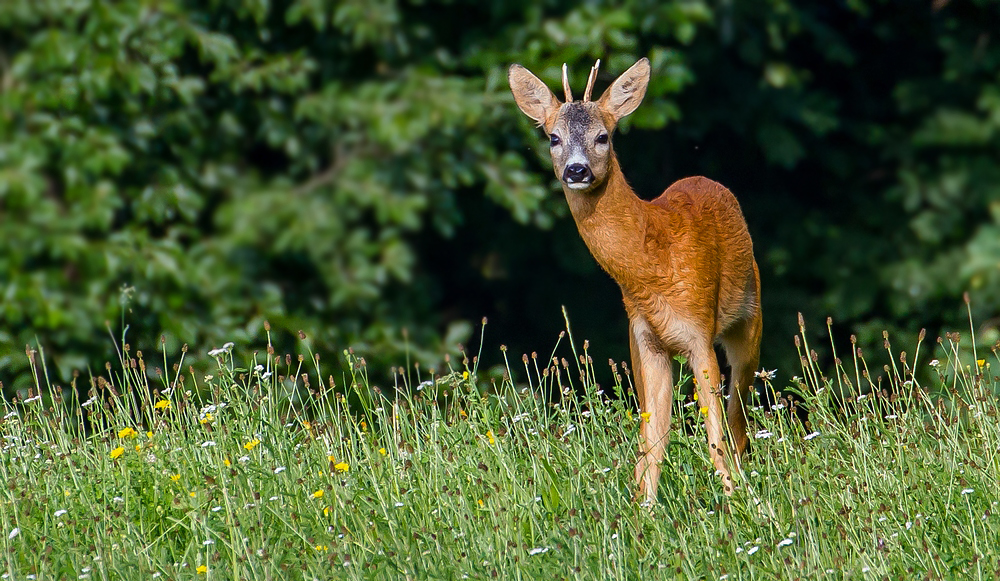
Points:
x=61 y=512
x=14 y=533
x=785 y=542
x=753 y=549
x=208 y=444
x=812 y=435
x=424 y=384
x=967 y=491
x=765 y=374
x=538 y=550
x=934 y=363
x=34 y=399
x=279 y=469
x=243 y=459
x=763 y=434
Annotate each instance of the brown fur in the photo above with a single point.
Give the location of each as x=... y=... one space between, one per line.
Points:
x=685 y=265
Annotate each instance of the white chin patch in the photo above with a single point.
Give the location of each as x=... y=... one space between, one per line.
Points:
x=578 y=185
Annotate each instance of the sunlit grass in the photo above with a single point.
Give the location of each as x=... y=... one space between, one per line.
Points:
x=283 y=467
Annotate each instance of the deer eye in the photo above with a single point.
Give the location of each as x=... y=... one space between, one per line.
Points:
x=554 y=140
x=602 y=138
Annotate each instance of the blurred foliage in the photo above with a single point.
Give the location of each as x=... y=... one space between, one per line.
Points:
x=356 y=168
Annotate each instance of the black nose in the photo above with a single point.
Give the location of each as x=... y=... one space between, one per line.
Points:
x=577 y=173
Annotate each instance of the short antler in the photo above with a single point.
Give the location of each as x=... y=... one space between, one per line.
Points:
x=569 y=95
x=590 y=80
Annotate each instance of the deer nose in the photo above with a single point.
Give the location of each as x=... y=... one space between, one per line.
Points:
x=577 y=173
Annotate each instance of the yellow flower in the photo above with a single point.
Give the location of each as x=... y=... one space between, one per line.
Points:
x=149 y=435
x=489 y=434
x=126 y=433
x=202 y=569
x=645 y=416
x=191 y=494
x=175 y=477
x=980 y=362
x=251 y=444
x=326 y=511
x=704 y=410
x=163 y=404
x=382 y=451
x=331 y=458
x=465 y=375
x=138 y=448
x=117 y=452
x=480 y=501
x=696 y=396
x=628 y=415
x=364 y=426
x=318 y=494
x=208 y=417
x=321 y=547
x=343 y=467
x=462 y=413
x=227 y=462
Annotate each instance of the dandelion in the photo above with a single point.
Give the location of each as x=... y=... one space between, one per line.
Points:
x=704 y=410
x=126 y=433
x=117 y=452
x=149 y=435
x=382 y=451
x=645 y=416
x=342 y=466
x=163 y=404
x=318 y=494
x=192 y=494
x=202 y=569
x=251 y=444
x=226 y=462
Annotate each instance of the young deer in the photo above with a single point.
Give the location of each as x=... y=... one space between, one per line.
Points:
x=684 y=263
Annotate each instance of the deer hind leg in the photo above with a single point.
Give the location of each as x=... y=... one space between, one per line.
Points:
x=654 y=384
x=742 y=345
x=705 y=368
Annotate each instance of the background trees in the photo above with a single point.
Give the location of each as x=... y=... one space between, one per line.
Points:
x=355 y=168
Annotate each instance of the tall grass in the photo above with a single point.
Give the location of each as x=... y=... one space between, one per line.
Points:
x=286 y=467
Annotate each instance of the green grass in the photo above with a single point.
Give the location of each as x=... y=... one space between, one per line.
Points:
x=286 y=468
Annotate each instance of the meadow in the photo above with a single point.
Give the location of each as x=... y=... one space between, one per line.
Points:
x=293 y=466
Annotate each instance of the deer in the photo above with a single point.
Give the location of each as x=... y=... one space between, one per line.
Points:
x=683 y=261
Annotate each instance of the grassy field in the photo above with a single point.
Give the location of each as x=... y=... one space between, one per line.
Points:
x=286 y=467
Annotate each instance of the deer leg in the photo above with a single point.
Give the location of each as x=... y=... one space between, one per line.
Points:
x=654 y=385
x=705 y=368
x=742 y=345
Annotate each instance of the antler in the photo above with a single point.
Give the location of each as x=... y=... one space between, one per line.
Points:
x=590 y=80
x=569 y=95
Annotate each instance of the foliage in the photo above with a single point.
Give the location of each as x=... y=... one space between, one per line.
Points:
x=270 y=470
x=356 y=168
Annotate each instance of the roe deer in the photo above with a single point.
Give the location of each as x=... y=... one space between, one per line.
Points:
x=684 y=262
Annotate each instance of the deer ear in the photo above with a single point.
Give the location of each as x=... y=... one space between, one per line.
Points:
x=531 y=95
x=625 y=94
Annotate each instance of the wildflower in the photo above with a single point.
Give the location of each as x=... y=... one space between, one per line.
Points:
x=645 y=416
x=465 y=375
x=382 y=451
x=811 y=436
x=175 y=477
x=279 y=469
x=785 y=542
x=463 y=414
x=202 y=569
x=704 y=410
x=967 y=491
x=538 y=551
x=138 y=448
x=126 y=433
x=207 y=418
x=934 y=363
x=226 y=462
x=980 y=362
x=208 y=444
x=489 y=434
x=251 y=444
x=149 y=435
x=343 y=466
x=192 y=494
x=765 y=374
x=61 y=512
x=753 y=550
x=321 y=547
x=163 y=404
x=14 y=533
x=318 y=494
x=117 y=452
x=480 y=502
x=364 y=426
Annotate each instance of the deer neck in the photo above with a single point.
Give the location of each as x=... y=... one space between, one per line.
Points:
x=611 y=221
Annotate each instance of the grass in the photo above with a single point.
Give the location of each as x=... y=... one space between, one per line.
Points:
x=275 y=469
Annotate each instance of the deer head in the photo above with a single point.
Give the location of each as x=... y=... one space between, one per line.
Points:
x=580 y=131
